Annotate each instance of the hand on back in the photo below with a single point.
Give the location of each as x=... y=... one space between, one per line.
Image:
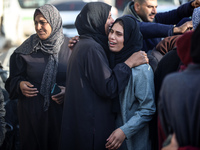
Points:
x=136 y=59
x=73 y=41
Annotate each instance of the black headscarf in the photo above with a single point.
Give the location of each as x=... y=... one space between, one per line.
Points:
x=133 y=40
x=91 y=22
x=50 y=46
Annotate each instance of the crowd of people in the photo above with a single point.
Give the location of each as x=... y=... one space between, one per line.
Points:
x=127 y=84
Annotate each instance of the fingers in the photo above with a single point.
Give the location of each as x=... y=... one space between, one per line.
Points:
x=58 y=101
x=144 y=57
x=27 y=89
x=113 y=144
x=59 y=98
x=115 y=139
x=73 y=41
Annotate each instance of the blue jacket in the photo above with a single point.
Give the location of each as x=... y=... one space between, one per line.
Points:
x=163 y=23
x=137 y=108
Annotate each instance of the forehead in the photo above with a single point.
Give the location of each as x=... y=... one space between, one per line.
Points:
x=150 y=2
x=39 y=17
x=118 y=27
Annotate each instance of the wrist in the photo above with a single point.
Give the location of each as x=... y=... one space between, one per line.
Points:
x=193 y=4
x=128 y=63
x=175 y=30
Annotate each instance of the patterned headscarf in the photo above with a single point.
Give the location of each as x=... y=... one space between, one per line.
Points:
x=196 y=17
x=50 y=46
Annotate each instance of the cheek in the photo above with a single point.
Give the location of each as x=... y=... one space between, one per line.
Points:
x=122 y=42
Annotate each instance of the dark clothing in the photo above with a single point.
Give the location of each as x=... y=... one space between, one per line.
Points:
x=39 y=129
x=2 y=121
x=88 y=119
x=91 y=21
x=188 y=148
x=179 y=106
x=162 y=26
x=132 y=40
x=168 y=64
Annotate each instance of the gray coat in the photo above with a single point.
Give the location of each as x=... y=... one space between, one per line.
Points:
x=137 y=108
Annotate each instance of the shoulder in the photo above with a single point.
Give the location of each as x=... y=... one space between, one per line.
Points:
x=143 y=72
x=89 y=44
x=172 y=78
x=89 y=48
x=145 y=68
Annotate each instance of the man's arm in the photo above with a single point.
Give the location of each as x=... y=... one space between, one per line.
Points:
x=158 y=30
x=176 y=15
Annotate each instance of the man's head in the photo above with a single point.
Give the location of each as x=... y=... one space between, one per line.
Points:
x=146 y=9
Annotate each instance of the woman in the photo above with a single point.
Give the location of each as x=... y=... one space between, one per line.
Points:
x=179 y=104
x=87 y=114
x=137 y=100
x=35 y=66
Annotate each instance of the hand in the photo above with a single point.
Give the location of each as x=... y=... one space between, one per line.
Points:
x=115 y=140
x=173 y=145
x=183 y=28
x=59 y=98
x=73 y=41
x=195 y=3
x=27 y=89
x=136 y=59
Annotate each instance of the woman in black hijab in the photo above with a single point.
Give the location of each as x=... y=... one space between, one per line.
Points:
x=87 y=116
x=137 y=99
x=35 y=66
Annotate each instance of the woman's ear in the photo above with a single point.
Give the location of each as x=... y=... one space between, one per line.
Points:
x=136 y=7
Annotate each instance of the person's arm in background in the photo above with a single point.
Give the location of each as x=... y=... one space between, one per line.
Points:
x=2 y=121
x=164 y=24
x=176 y=15
x=158 y=30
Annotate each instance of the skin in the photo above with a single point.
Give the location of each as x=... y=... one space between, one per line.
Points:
x=109 y=23
x=173 y=145
x=146 y=10
x=43 y=30
x=42 y=27
x=195 y=3
x=116 y=43
x=116 y=38
x=134 y=60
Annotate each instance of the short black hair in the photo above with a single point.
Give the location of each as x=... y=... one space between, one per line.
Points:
x=140 y=1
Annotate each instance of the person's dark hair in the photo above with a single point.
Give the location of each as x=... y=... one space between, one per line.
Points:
x=120 y=22
x=139 y=1
x=195 y=45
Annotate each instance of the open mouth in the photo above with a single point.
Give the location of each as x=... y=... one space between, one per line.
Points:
x=112 y=44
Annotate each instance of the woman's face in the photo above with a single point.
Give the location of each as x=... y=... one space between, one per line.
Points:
x=42 y=27
x=109 y=23
x=116 y=38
